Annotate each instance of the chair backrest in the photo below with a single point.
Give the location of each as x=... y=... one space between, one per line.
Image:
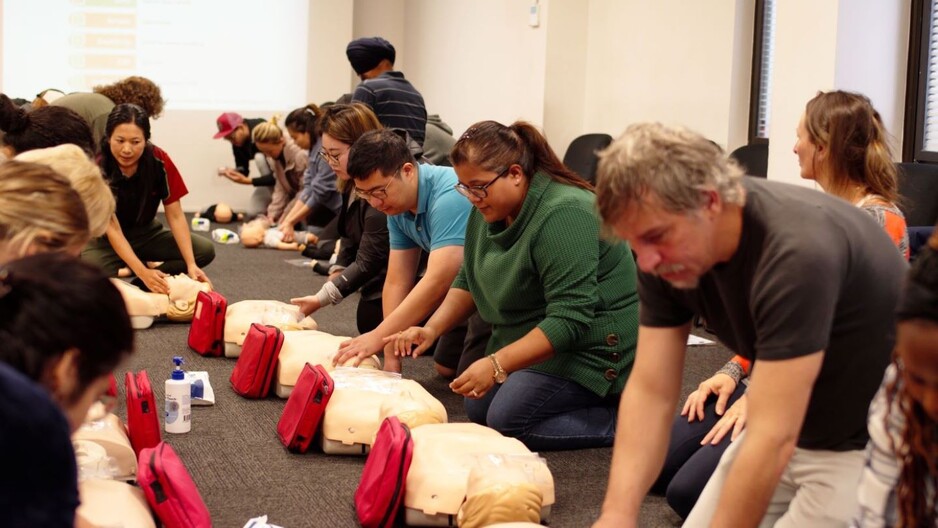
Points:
x=753 y=158
x=581 y=154
x=918 y=191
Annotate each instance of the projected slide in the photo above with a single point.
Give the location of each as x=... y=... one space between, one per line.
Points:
x=204 y=54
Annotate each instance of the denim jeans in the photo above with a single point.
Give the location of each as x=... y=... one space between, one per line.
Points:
x=546 y=412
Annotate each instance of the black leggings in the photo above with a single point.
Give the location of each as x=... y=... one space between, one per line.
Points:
x=689 y=465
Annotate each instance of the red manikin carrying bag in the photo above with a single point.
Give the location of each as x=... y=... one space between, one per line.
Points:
x=170 y=490
x=143 y=424
x=254 y=371
x=381 y=490
x=304 y=409
x=207 y=333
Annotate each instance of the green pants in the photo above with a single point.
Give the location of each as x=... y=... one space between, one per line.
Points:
x=151 y=243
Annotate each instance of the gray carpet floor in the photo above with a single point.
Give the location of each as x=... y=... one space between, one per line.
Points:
x=243 y=471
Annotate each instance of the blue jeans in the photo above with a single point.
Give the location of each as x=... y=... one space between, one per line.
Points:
x=689 y=465
x=547 y=413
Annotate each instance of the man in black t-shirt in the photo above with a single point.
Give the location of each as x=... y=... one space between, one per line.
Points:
x=237 y=130
x=802 y=283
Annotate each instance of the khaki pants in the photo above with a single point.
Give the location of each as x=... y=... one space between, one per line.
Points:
x=817 y=489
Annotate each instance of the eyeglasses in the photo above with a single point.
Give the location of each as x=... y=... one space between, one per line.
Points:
x=377 y=194
x=330 y=158
x=479 y=192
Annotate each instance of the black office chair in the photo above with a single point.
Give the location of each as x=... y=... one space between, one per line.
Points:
x=581 y=154
x=753 y=158
x=918 y=191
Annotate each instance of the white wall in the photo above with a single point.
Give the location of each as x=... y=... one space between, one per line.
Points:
x=670 y=61
x=187 y=135
x=872 y=56
x=477 y=60
x=848 y=45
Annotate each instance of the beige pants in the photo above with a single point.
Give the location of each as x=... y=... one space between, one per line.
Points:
x=817 y=489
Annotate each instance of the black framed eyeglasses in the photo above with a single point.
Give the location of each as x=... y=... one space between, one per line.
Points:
x=479 y=192
x=330 y=158
x=377 y=194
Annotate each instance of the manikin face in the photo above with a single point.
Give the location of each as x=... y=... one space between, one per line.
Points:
x=271 y=150
x=392 y=194
x=503 y=192
x=917 y=347
x=127 y=143
x=335 y=153
x=806 y=151
x=679 y=248
x=239 y=135
x=302 y=139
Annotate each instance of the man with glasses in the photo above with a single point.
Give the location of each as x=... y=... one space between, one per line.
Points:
x=425 y=213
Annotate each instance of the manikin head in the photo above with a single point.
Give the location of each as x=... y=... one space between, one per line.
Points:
x=252 y=233
x=223 y=213
x=64 y=325
x=665 y=190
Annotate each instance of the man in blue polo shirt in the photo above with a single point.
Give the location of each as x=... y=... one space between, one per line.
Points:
x=425 y=212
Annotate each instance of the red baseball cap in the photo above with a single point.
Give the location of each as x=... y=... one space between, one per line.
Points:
x=227 y=122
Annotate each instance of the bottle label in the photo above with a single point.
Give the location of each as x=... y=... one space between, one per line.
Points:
x=172 y=411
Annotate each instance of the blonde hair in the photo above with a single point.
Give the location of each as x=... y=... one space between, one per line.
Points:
x=673 y=164
x=268 y=132
x=38 y=206
x=85 y=176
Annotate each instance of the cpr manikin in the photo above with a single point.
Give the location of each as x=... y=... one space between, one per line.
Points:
x=439 y=478
x=354 y=412
x=143 y=307
x=241 y=315
x=309 y=346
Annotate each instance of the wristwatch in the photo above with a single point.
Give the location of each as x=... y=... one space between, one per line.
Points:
x=500 y=374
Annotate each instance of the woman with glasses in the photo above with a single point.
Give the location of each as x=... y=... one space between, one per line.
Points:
x=63 y=330
x=318 y=201
x=561 y=299
x=287 y=161
x=362 y=262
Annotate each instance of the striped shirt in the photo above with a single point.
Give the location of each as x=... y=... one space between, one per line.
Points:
x=880 y=477
x=396 y=103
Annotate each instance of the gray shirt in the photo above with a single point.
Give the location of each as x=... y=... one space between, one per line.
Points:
x=812 y=272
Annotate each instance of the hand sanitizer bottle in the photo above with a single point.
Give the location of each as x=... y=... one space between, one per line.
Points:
x=178 y=417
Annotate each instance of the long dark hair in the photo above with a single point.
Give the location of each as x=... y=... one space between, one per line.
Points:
x=916 y=498
x=51 y=303
x=49 y=126
x=305 y=120
x=493 y=147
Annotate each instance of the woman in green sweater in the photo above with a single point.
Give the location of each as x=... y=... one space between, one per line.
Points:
x=561 y=299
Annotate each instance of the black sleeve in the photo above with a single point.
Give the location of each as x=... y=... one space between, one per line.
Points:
x=658 y=306
x=372 y=256
x=242 y=158
x=263 y=181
